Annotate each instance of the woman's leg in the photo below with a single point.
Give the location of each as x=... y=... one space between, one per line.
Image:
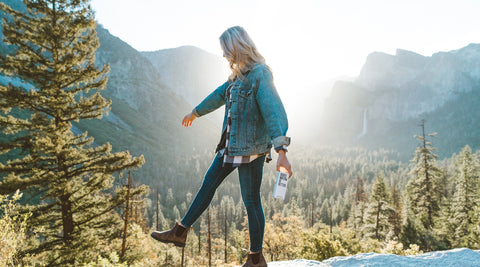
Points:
x=213 y=178
x=250 y=176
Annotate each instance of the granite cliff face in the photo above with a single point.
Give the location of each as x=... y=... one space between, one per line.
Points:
x=411 y=84
x=132 y=78
x=383 y=106
x=190 y=72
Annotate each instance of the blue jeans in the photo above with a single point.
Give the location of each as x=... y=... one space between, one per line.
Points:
x=250 y=176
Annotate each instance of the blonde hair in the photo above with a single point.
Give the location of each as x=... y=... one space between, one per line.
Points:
x=240 y=51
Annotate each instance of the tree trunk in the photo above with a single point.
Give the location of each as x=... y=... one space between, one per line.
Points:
x=331 y=219
x=377 y=222
x=158 y=211
x=427 y=178
x=199 y=240
x=313 y=209
x=183 y=256
x=127 y=210
x=134 y=206
x=67 y=223
x=355 y=220
x=226 y=231
x=66 y=204
x=67 y=219
x=209 y=239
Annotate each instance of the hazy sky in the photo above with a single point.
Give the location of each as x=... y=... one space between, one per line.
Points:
x=304 y=41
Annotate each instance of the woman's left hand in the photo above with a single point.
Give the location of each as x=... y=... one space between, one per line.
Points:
x=188 y=119
x=282 y=161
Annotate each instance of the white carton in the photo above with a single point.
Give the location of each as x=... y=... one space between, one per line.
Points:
x=280 y=188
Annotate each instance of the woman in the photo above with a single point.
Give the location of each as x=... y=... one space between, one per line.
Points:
x=254 y=119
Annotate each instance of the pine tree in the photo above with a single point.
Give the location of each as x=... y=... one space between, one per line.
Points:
x=409 y=235
x=378 y=212
x=358 y=209
x=67 y=177
x=465 y=197
x=325 y=212
x=425 y=188
x=227 y=206
x=474 y=229
x=126 y=217
x=176 y=213
x=358 y=216
x=444 y=227
x=395 y=217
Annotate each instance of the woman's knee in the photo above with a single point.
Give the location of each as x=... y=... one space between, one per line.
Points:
x=208 y=186
x=252 y=202
x=212 y=179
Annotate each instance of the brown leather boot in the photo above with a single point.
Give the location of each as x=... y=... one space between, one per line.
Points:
x=177 y=236
x=255 y=260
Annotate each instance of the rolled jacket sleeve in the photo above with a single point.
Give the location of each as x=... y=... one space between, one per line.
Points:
x=272 y=110
x=281 y=142
x=212 y=102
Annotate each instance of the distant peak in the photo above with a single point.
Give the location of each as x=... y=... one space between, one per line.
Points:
x=470 y=47
x=183 y=48
x=403 y=53
x=378 y=59
x=375 y=54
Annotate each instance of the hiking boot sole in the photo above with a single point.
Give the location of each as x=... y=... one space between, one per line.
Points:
x=177 y=244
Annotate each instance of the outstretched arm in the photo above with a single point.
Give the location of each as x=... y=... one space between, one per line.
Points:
x=209 y=104
x=188 y=119
x=212 y=102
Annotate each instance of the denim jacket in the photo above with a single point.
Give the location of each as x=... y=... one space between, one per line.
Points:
x=257 y=113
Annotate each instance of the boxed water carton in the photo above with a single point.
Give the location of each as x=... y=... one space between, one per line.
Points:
x=280 y=188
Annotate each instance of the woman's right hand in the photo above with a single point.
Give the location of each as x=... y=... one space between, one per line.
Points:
x=282 y=162
x=188 y=119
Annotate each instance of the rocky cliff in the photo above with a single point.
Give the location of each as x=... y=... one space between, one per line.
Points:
x=189 y=71
x=383 y=106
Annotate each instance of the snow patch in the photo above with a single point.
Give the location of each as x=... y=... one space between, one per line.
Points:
x=461 y=257
x=456 y=257
x=296 y=263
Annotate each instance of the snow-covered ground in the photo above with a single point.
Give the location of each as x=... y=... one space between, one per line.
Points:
x=461 y=257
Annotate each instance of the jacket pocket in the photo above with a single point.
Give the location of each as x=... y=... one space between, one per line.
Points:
x=246 y=102
x=245 y=93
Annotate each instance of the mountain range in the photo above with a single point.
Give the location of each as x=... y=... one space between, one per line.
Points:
x=147 y=107
x=383 y=106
